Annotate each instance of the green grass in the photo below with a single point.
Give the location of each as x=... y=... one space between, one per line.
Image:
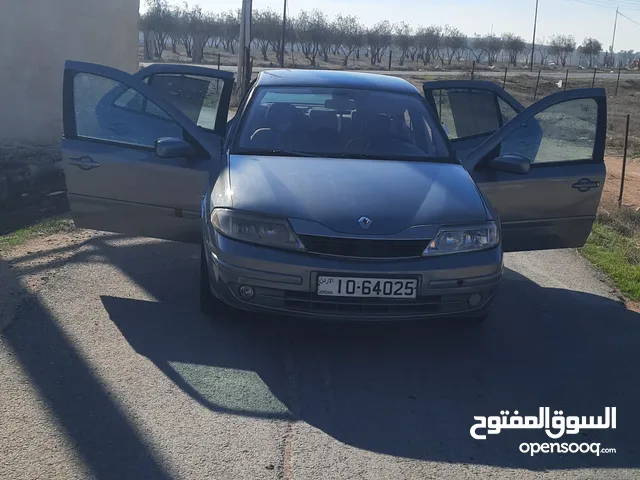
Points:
x=49 y=226
x=617 y=255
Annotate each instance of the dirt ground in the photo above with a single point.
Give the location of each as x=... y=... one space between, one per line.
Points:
x=631 y=194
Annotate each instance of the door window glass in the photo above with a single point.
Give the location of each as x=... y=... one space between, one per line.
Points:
x=507 y=111
x=466 y=112
x=108 y=110
x=197 y=97
x=564 y=132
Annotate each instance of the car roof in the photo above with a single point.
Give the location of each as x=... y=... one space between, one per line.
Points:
x=334 y=78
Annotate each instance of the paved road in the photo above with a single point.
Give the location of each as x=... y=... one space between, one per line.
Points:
x=498 y=73
x=109 y=371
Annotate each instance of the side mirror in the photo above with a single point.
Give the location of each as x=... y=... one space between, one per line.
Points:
x=511 y=163
x=169 y=147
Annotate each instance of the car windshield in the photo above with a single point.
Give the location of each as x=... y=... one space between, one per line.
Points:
x=340 y=122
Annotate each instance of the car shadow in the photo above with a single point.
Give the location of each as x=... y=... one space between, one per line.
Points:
x=100 y=432
x=409 y=389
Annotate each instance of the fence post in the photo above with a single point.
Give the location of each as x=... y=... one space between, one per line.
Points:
x=390 y=52
x=624 y=160
x=218 y=61
x=593 y=82
x=473 y=69
x=618 y=82
x=504 y=82
x=535 y=93
x=566 y=79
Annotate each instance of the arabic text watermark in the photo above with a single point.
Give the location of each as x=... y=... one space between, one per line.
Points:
x=555 y=427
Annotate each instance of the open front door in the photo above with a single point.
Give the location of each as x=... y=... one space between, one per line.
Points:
x=470 y=111
x=545 y=182
x=134 y=162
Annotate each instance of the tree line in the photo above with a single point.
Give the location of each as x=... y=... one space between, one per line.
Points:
x=318 y=36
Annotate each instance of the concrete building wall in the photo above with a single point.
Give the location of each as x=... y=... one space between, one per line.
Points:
x=36 y=37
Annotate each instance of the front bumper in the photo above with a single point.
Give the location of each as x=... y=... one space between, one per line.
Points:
x=285 y=282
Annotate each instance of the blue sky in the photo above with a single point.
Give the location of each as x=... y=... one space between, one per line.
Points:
x=580 y=18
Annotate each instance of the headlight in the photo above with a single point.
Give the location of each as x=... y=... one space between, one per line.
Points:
x=464 y=239
x=254 y=228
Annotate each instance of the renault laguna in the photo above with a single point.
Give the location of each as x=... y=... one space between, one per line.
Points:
x=331 y=194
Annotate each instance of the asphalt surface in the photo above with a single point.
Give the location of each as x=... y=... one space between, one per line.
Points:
x=497 y=73
x=109 y=371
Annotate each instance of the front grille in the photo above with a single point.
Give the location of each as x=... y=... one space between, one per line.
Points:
x=364 y=248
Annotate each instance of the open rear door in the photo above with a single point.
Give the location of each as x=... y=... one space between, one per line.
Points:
x=470 y=111
x=202 y=94
x=546 y=182
x=134 y=162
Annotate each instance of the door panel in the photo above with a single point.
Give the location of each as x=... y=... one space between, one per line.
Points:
x=134 y=192
x=115 y=180
x=553 y=205
x=541 y=210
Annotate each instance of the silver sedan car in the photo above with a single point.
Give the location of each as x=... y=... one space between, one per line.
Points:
x=333 y=194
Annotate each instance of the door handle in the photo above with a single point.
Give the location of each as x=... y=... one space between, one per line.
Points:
x=585 y=184
x=85 y=163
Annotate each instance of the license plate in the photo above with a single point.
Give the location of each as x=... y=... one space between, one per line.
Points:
x=367 y=287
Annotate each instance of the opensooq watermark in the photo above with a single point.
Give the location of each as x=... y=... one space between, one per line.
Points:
x=555 y=426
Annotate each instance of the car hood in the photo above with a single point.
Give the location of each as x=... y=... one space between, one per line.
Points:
x=336 y=193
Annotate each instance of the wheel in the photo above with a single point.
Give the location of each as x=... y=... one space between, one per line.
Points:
x=209 y=304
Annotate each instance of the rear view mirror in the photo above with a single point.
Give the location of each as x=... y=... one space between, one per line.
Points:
x=511 y=163
x=169 y=147
x=340 y=103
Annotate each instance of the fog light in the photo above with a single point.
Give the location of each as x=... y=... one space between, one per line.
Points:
x=246 y=292
x=475 y=299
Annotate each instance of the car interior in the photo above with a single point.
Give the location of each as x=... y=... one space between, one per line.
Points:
x=337 y=126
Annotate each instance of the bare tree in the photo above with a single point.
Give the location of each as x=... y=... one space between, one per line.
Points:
x=492 y=47
x=487 y=45
x=591 y=47
x=404 y=40
x=229 y=29
x=200 y=28
x=543 y=49
x=349 y=33
x=158 y=19
x=561 y=46
x=183 y=29
x=310 y=28
x=478 y=47
x=414 y=49
x=453 y=41
x=378 y=39
x=513 y=45
x=275 y=35
x=266 y=30
x=428 y=40
x=328 y=40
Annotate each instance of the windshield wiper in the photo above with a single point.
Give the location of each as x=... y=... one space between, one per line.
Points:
x=279 y=151
x=371 y=156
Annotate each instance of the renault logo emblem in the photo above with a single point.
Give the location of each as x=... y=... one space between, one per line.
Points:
x=365 y=222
